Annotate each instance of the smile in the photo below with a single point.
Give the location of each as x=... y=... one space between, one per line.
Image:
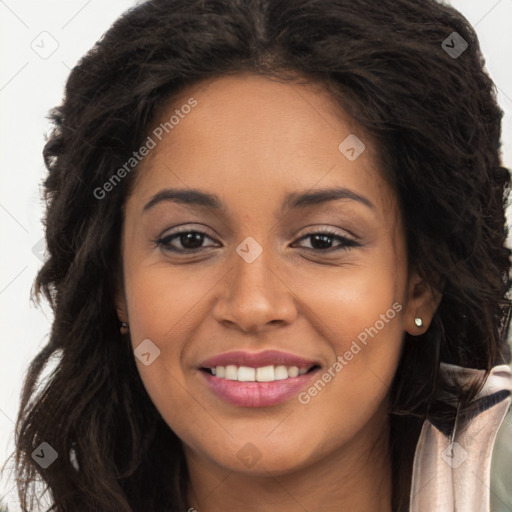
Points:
x=260 y=379
x=262 y=374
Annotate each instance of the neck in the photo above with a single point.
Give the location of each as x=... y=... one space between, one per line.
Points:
x=356 y=477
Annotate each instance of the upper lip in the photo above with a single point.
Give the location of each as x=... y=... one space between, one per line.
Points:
x=257 y=359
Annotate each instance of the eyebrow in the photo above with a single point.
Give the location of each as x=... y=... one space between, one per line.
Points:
x=296 y=200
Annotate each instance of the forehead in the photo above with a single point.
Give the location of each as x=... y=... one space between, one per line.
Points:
x=245 y=110
x=254 y=134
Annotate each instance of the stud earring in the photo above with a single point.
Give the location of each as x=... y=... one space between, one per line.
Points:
x=418 y=321
x=124 y=328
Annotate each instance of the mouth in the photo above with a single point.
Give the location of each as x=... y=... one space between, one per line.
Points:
x=260 y=379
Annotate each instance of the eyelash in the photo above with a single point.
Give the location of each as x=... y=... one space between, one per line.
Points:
x=164 y=241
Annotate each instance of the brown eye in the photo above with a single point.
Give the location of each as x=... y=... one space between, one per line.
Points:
x=187 y=240
x=323 y=241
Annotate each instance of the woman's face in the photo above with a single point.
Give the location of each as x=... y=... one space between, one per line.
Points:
x=331 y=308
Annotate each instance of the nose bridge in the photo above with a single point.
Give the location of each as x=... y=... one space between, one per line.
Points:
x=253 y=265
x=253 y=294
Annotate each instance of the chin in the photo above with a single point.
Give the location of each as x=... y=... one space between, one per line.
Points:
x=258 y=460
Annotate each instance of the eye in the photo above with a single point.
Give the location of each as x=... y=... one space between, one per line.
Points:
x=188 y=240
x=321 y=241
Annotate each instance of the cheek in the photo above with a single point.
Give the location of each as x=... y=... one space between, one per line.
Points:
x=342 y=303
x=166 y=306
x=162 y=301
x=161 y=309
x=359 y=312
x=350 y=396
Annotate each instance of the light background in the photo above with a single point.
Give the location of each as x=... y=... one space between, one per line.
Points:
x=30 y=85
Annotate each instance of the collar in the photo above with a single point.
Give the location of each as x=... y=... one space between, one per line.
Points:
x=452 y=463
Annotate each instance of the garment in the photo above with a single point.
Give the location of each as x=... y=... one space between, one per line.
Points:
x=451 y=471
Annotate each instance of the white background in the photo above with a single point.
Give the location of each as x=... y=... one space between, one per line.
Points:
x=31 y=85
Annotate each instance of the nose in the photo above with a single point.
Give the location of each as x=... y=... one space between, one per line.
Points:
x=253 y=297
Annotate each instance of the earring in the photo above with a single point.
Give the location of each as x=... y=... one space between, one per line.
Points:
x=418 y=321
x=124 y=328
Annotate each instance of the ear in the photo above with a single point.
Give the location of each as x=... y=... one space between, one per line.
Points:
x=423 y=300
x=120 y=305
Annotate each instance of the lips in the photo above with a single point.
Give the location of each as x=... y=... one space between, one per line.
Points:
x=243 y=378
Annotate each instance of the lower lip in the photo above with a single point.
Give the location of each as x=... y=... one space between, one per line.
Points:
x=257 y=394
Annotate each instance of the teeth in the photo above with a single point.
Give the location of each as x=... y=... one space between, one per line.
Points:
x=231 y=372
x=265 y=374
x=246 y=374
x=280 y=372
x=293 y=371
x=262 y=374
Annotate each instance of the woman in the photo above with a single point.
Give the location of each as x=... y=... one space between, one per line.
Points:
x=277 y=265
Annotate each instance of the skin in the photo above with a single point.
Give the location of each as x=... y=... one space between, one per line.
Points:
x=251 y=141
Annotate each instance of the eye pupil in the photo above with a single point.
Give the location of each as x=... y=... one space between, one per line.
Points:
x=188 y=240
x=325 y=241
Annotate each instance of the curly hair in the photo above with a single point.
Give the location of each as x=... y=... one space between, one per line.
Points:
x=437 y=127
